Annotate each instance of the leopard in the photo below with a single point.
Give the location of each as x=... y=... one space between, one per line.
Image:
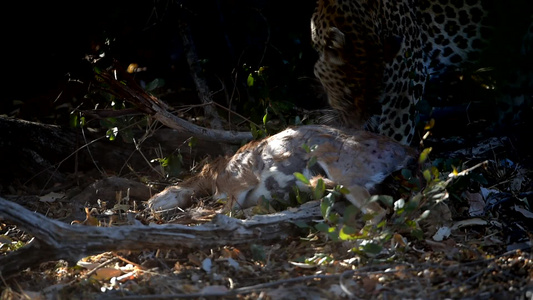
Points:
x=376 y=56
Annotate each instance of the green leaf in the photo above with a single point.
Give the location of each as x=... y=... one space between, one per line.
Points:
x=429 y=125
x=306 y=148
x=192 y=142
x=255 y=132
x=164 y=161
x=334 y=218
x=73 y=120
x=265 y=117
x=112 y=133
x=301 y=177
x=372 y=248
x=417 y=233
x=258 y=252
x=325 y=209
x=427 y=175
x=154 y=84
x=301 y=224
x=250 y=80
x=341 y=189
x=411 y=224
x=411 y=206
x=300 y=196
x=320 y=188
x=435 y=172
x=312 y=161
x=326 y=205
x=322 y=227
x=407 y=174
x=369 y=216
x=174 y=165
x=127 y=136
x=351 y=215
x=108 y=122
x=424 y=155
x=350 y=211
x=385 y=199
x=346 y=233
x=382 y=223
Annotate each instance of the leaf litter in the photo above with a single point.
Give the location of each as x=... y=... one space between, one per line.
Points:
x=485 y=252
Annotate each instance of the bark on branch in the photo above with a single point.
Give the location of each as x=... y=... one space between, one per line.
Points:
x=54 y=240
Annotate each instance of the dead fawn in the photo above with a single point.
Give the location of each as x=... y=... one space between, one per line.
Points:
x=357 y=159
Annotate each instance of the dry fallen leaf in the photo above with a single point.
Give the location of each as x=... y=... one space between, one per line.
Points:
x=87 y=265
x=206 y=265
x=89 y=219
x=402 y=272
x=469 y=222
x=370 y=283
x=51 y=197
x=448 y=246
x=399 y=240
x=106 y=273
x=303 y=265
x=232 y=253
x=476 y=204
x=526 y=213
x=442 y=233
x=233 y=263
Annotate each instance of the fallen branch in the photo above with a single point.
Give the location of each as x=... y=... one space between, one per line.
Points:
x=54 y=240
x=123 y=86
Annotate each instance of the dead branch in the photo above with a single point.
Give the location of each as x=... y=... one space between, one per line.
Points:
x=123 y=86
x=54 y=240
x=201 y=86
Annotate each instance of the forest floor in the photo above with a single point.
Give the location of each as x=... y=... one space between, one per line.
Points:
x=485 y=254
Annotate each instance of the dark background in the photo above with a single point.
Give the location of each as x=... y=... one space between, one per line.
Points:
x=46 y=75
